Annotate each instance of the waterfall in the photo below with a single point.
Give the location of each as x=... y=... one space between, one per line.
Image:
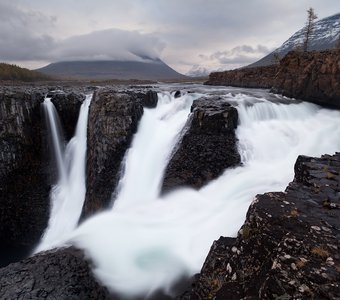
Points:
x=150 y=242
x=68 y=195
x=151 y=148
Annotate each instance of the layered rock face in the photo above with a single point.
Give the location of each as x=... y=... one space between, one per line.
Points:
x=68 y=106
x=25 y=173
x=288 y=247
x=259 y=77
x=310 y=76
x=24 y=197
x=113 y=119
x=207 y=147
x=55 y=274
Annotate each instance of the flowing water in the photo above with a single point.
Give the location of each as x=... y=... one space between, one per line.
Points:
x=68 y=195
x=146 y=242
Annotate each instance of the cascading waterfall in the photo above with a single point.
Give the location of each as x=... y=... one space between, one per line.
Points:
x=151 y=147
x=68 y=195
x=150 y=242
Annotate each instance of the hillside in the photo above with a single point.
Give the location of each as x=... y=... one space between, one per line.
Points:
x=13 y=72
x=325 y=36
x=147 y=70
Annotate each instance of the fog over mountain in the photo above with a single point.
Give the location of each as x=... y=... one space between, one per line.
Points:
x=187 y=35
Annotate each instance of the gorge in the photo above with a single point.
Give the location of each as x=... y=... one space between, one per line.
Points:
x=143 y=229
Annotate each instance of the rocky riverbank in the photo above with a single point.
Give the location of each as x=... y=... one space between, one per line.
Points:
x=288 y=247
x=310 y=76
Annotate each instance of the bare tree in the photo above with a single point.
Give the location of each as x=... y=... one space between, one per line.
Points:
x=311 y=17
x=337 y=46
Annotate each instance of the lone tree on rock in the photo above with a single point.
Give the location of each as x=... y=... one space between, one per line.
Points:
x=311 y=17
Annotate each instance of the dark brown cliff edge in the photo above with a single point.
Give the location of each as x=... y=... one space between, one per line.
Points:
x=259 y=77
x=208 y=145
x=310 y=76
x=288 y=247
x=113 y=119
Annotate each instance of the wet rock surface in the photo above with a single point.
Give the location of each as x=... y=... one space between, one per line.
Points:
x=207 y=147
x=311 y=76
x=24 y=185
x=68 y=107
x=113 y=119
x=25 y=171
x=288 y=247
x=56 y=274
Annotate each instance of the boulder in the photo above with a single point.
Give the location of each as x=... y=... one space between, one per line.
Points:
x=207 y=147
x=113 y=119
x=55 y=274
x=288 y=247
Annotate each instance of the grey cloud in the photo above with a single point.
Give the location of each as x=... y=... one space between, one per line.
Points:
x=237 y=55
x=20 y=40
x=109 y=44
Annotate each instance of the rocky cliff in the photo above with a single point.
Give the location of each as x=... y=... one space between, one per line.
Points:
x=288 y=247
x=259 y=77
x=25 y=172
x=207 y=147
x=310 y=76
x=113 y=119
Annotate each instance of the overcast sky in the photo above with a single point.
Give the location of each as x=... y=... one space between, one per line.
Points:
x=186 y=34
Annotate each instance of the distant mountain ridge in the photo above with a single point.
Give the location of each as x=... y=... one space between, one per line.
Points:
x=112 y=69
x=325 y=36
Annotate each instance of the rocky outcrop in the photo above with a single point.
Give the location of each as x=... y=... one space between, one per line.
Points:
x=25 y=174
x=113 y=119
x=259 y=77
x=310 y=76
x=56 y=274
x=288 y=247
x=208 y=145
x=68 y=106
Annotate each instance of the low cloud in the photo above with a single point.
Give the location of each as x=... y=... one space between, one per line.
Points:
x=24 y=36
x=238 y=55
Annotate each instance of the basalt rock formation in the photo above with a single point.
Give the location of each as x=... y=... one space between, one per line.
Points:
x=288 y=247
x=68 y=106
x=24 y=197
x=55 y=274
x=25 y=173
x=207 y=147
x=113 y=119
x=310 y=76
x=258 y=77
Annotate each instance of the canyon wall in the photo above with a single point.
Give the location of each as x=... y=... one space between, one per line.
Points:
x=26 y=173
x=310 y=76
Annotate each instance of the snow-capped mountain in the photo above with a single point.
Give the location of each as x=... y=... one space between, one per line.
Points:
x=326 y=35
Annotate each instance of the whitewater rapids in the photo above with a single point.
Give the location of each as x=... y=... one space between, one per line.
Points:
x=146 y=242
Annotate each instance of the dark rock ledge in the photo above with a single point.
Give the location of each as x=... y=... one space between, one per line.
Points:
x=55 y=274
x=208 y=145
x=288 y=247
x=113 y=119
